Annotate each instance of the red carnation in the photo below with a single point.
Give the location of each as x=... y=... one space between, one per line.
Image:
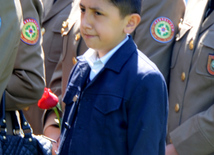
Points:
x=48 y=100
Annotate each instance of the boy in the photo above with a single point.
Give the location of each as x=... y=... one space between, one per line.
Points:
x=116 y=99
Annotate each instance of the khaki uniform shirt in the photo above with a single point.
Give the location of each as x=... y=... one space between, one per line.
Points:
x=52 y=45
x=52 y=39
x=191 y=98
x=27 y=82
x=10 y=30
x=156 y=32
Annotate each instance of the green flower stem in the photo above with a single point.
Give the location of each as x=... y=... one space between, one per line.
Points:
x=57 y=115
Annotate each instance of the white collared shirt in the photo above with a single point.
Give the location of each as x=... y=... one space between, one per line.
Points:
x=96 y=63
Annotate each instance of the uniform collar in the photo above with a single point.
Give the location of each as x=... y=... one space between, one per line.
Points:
x=56 y=8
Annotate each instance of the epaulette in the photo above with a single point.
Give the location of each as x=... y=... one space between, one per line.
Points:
x=71 y=20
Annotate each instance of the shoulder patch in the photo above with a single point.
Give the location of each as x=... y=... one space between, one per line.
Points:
x=210 y=64
x=30 y=31
x=162 y=30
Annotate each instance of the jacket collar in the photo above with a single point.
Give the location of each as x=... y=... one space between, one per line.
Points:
x=194 y=15
x=119 y=58
x=208 y=22
x=115 y=63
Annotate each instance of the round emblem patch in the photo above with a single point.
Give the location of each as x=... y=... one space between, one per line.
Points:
x=162 y=29
x=30 y=31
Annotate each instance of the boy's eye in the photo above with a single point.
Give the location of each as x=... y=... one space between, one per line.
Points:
x=98 y=13
x=82 y=9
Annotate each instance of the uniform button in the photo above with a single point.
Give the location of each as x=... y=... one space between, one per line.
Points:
x=67 y=126
x=64 y=24
x=179 y=26
x=75 y=98
x=191 y=46
x=26 y=109
x=180 y=23
x=74 y=60
x=177 y=108
x=183 y=76
x=62 y=30
x=177 y=35
x=77 y=37
x=43 y=31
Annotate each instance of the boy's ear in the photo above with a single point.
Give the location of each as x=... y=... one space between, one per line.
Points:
x=132 y=22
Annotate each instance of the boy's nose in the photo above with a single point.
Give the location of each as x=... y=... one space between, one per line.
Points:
x=86 y=21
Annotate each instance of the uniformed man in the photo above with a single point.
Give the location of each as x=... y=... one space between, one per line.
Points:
x=191 y=98
x=27 y=81
x=154 y=36
x=10 y=30
x=52 y=45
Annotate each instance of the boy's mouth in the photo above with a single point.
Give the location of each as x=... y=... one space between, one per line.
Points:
x=88 y=35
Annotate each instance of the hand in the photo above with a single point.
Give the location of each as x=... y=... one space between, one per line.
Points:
x=53 y=132
x=170 y=150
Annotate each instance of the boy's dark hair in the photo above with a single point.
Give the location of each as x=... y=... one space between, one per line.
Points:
x=127 y=7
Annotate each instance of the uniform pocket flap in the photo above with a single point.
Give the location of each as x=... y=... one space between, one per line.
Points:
x=208 y=40
x=107 y=104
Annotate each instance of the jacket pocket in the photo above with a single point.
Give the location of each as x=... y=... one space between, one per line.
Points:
x=107 y=104
x=205 y=53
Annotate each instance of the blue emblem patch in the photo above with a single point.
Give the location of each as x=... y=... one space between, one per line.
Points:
x=210 y=64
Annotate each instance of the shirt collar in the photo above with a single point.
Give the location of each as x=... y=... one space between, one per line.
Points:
x=91 y=56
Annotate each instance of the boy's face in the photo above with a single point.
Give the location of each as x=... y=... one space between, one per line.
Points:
x=101 y=27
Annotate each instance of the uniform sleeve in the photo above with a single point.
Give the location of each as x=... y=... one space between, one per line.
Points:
x=194 y=134
x=27 y=82
x=147 y=118
x=157 y=43
x=10 y=30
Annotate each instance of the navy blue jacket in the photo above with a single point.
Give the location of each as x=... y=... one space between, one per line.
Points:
x=122 y=111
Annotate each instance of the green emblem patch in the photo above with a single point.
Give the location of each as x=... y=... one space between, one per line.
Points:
x=162 y=30
x=30 y=31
